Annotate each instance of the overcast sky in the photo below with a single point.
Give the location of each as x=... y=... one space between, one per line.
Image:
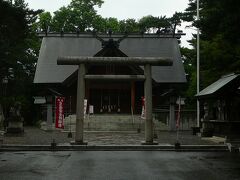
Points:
x=123 y=9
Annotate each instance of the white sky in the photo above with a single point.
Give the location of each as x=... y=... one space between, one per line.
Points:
x=123 y=9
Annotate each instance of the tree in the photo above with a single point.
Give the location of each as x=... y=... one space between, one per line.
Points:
x=45 y=21
x=112 y=24
x=189 y=62
x=78 y=14
x=18 y=53
x=220 y=50
x=12 y=30
x=129 y=25
x=61 y=20
x=162 y=24
x=175 y=21
x=149 y=23
x=99 y=24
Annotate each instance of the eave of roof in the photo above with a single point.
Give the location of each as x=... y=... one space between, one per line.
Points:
x=217 y=86
x=115 y=35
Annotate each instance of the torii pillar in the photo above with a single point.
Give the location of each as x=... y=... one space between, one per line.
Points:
x=80 y=105
x=148 y=105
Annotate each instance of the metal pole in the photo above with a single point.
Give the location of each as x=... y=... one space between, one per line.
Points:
x=80 y=105
x=198 y=67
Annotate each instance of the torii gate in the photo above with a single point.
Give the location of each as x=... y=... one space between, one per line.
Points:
x=147 y=62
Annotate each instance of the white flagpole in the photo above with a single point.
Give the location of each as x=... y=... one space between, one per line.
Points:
x=198 y=67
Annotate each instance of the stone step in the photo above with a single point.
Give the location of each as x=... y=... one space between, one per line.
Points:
x=104 y=118
x=111 y=123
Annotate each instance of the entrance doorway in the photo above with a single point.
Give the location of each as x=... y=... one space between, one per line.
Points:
x=111 y=101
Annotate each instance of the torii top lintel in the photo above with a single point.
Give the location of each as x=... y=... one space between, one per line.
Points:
x=153 y=61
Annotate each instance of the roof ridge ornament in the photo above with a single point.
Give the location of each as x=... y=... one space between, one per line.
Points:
x=110 y=42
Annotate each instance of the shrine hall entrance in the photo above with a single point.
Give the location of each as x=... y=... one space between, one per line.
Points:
x=111 y=101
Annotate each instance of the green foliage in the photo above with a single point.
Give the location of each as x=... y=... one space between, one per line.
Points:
x=78 y=14
x=151 y=23
x=191 y=90
x=81 y=15
x=12 y=30
x=19 y=48
x=189 y=62
x=219 y=36
x=129 y=25
x=45 y=20
x=219 y=40
x=166 y=25
x=112 y=23
x=99 y=24
x=60 y=20
x=175 y=20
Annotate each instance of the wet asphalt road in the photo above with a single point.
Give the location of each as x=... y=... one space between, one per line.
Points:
x=116 y=165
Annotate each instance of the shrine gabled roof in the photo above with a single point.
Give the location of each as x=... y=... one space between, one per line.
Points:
x=52 y=47
x=220 y=85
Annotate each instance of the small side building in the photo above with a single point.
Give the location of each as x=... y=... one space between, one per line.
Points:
x=220 y=102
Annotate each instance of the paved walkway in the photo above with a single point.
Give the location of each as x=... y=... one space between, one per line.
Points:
x=36 y=136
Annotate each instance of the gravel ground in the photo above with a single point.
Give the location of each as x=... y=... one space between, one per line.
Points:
x=36 y=136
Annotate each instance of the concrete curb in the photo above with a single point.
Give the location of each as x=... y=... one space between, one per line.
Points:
x=183 y=148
